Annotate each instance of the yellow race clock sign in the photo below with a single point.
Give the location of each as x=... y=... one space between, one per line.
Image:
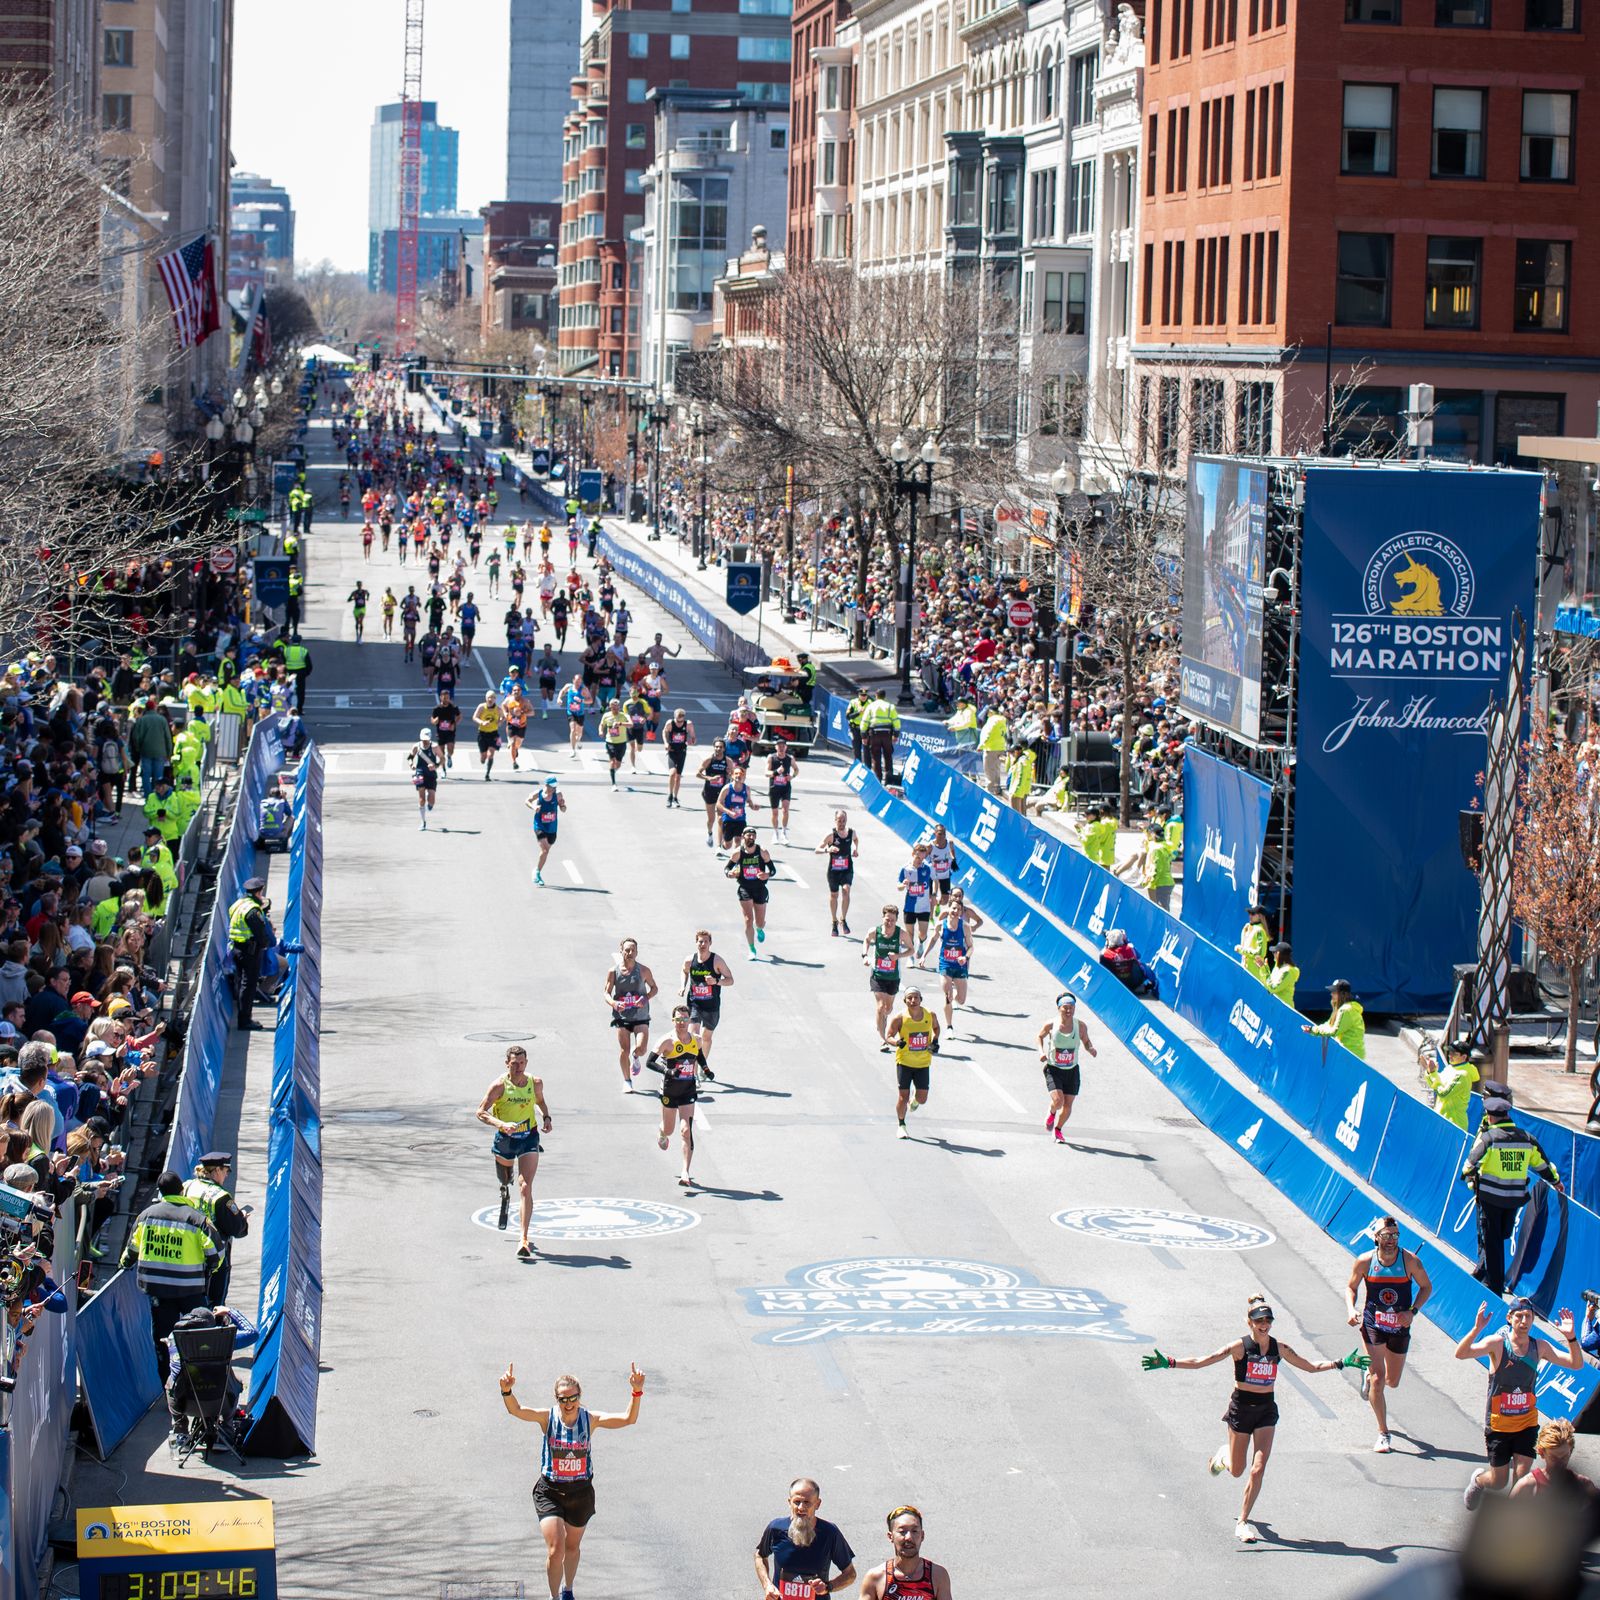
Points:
x=217 y=1550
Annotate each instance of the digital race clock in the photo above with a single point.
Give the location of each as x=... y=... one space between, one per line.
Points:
x=218 y=1550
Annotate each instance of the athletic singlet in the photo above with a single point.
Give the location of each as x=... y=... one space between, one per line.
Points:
x=917 y=884
x=1513 y=1405
x=678 y=735
x=732 y=802
x=886 y=953
x=840 y=850
x=1259 y=1363
x=487 y=718
x=627 y=993
x=614 y=727
x=750 y=864
x=516 y=1104
x=896 y=1587
x=704 y=990
x=916 y=1041
x=548 y=671
x=546 y=813
x=680 y=1060
x=953 y=954
x=516 y=713
x=941 y=860
x=638 y=714
x=780 y=771
x=1389 y=1291
x=1064 y=1047
x=566 y=1449
x=716 y=771
x=572 y=701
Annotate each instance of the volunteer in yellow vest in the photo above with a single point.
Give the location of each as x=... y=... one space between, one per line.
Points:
x=188 y=752
x=1511 y=1413
x=292 y=613
x=198 y=695
x=103 y=920
x=914 y=1032
x=1499 y=1167
x=185 y=799
x=510 y=1107
x=158 y=857
x=1346 y=1022
x=1099 y=836
x=1283 y=974
x=231 y=699
x=205 y=1192
x=1172 y=827
x=297 y=663
x=881 y=722
x=159 y=812
x=291 y=548
x=964 y=724
x=487 y=721
x=854 y=712
x=1452 y=1078
x=993 y=738
x=1019 y=777
x=175 y=1251
x=1252 y=946
x=1154 y=863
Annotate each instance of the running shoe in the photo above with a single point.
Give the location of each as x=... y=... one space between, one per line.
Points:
x=914 y=1105
x=1050 y=1120
x=761 y=935
x=505 y=1208
x=423 y=825
x=1384 y=1446
x=1473 y=1492
x=1246 y=1533
x=538 y=877
x=633 y=1067
x=844 y=927
x=1061 y=1138
x=904 y=1133
x=661 y=1141
x=686 y=1182
x=708 y=841
x=834 y=930
x=1218 y=1464
x=524 y=1251
x=753 y=955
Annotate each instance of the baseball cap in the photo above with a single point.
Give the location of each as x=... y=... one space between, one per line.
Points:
x=97 y=847
x=75 y=850
x=1521 y=1303
x=83 y=998
x=115 y=1008
x=550 y=782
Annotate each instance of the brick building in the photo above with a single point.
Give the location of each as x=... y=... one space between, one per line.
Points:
x=519 y=267
x=737 y=46
x=1402 y=169
x=819 y=133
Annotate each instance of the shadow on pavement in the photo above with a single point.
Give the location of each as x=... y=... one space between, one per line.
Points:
x=738 y=1194
x=1121 y=1155
x=548 y=1258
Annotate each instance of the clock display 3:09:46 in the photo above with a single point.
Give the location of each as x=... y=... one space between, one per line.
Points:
x=193 y=1583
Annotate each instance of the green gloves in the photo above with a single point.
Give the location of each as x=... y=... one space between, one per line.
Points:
x=1155 y=1362
x=1356 y=1359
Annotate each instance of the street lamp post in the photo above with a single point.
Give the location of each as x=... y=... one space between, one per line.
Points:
x=658 y=420
x=788 y=543
x=911 y=482
x=638 y=406
x=1065 y=483
x=701 y=429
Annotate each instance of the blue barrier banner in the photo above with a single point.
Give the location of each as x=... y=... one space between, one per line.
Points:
x=1418 y=1161
x=1408 y=581
x=1282 y=1155
x=8 y=1535
x=116 y=1360
x=1224 y=824
x=916 y=733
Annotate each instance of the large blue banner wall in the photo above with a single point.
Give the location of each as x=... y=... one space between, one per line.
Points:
x=1224 y=823
x=1408 y=579
x=1314 y=1095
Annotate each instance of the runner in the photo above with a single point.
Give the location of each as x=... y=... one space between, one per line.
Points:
x=651 y=683
x=678 y=736
x=906 y=1575
x=953 y=936
x=509 y=1109
x=423 y=760
x=410 y=611
x=713 y=774
x=628 y=989
x=677 y=1059
x=493 y=564
x=1511 y=1414
x=750 y=867
x=637 y=711
x=916 y=883
x=560 y=614
x=914 y=1035
x=1397 y=1287
x=780 y=785
x=614 y=731
x=548 y=666
x=705 y=976
x=881 y=950
x=546 y=805
x=733 y=805
x=469 y=614
x=941 y=863
x=487 y=721
x=389 y=605
x=358 y=598
x=1059 y=1043
x=446 y=718
x=563 y=1496
x=1252 y=1414
x=575 y=702
x=841 y=846
x=368 y=534
x=514 y=708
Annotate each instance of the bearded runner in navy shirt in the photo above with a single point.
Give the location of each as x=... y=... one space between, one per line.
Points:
x=796 y=1551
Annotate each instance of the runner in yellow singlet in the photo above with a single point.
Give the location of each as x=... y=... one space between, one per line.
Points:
x=486 y=718
x=510 y=1107
x=914 y=1032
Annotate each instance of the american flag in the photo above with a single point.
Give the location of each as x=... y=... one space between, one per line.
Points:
x=189 y=275
x=261 y=340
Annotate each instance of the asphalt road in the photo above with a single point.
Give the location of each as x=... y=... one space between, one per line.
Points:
x=906 y=1321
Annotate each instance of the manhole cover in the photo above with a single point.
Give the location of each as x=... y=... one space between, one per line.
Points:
x=424 y=1412
x=499 y=1036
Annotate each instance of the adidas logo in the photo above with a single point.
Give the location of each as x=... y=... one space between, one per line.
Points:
x=1348 y=1133
x=1247 y=1139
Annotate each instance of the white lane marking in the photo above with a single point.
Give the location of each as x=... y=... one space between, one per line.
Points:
x=1010 y=1100
x=396 y=702
x=702 y=1114
x=341 y=701
x=793 y=876
x=577 y=877
x=488 y=682
x=710 y=705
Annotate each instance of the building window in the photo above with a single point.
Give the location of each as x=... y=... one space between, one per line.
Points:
x=699 y=231
x=638 y=45
x=765 y=8
x=1368 y=146
x=1252 y=418
x=1003 y=200
x=1458 y=424
x=1207 y=416
x=1552 y=16
x=118 y=47
x=682 y=5
x=116 y=112
x=1077 y=294
x=1050 y=407
x=1045 y=89
x=1080 y=197
x=679 y=49
x=1168 y=405
x=638 y=136
x=1540 y=293
x=771 y=93
x=1461 y=13
x=1361 y=296
x=830 y=89
x=1368 y=421
x=1547 y=138
x=637 y=88
x=828 y=163
x=1454 y=267
x=764 y=49
x=1517 y=415
x=1085 y=69
x=1050 y=312
x=1042 y=205
x=1458 y=133
x=964 y=195
x=1372 y=10
x=633 y=182
x=777 y=138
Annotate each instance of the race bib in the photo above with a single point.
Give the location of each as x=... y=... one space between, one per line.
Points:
x=839 y=863
x=1386 y=1321
x=700 y=991
x=918 y=1042
x=569 y=1465
x=1516 y=1403
x=626 y=1002
x=955 y=954
x=1066 y=1058
x=796 y=1588
x=887 y=963
x=753 y=871
x=1259 y=1370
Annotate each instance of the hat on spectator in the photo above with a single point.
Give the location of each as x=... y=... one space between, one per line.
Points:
x=83 y=998
x=97 y=847
x=99 y=1048
x=19 y=1175
x=75 y=850
x=54 y=869
x=216 y=1158
x=115 y=1008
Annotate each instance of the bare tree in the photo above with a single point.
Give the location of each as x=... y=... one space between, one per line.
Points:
x=344 y=308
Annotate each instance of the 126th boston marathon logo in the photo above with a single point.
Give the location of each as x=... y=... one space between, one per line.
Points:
x=928 y=1298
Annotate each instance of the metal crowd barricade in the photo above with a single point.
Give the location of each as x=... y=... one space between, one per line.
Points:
x=227 y=735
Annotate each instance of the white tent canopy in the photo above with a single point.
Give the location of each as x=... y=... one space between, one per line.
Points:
x=326 y=355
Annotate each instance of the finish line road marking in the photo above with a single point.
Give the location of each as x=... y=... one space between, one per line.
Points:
x=577 y=878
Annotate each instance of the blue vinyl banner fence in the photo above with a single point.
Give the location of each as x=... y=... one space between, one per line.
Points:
x=916 y=733
x=1407 y=1152
x=282 y=1407
x=1225 y=821
x=117 y=1360
x=1408 y=580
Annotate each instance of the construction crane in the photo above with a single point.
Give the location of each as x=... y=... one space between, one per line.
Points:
x=405 y=316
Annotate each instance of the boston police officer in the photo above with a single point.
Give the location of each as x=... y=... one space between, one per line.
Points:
x=176 y=1251
x=249 y=937
x=1499 y=1166
x=204 y=1191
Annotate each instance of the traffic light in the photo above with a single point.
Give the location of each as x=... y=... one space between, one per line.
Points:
x=372 y=359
